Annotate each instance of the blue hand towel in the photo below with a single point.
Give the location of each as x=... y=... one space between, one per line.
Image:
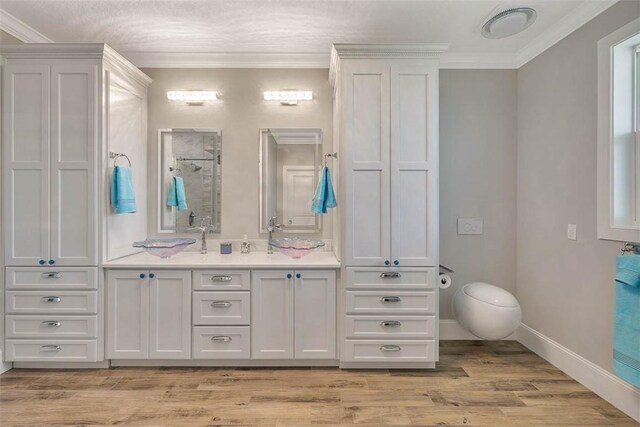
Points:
x=626 y=319
x=123 y=199
x=324 y=197
x=177 y=195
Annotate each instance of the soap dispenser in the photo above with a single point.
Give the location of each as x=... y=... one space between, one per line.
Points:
x=245 y=248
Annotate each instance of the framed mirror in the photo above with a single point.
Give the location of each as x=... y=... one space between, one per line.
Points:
x=290 y=162
x=193 y=156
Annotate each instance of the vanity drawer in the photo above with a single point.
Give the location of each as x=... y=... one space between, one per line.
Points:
x=389 y=351
x=52 y=278
x=52 y=302
x=223 y=280
x=221 y=308
x=416 y=327
x=51 y=326
x=359 y=302
x=377 y=278
x=52 y=350
x=226 y=342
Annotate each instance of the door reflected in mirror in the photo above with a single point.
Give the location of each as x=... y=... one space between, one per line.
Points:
x=289 y=170
x=190 y=176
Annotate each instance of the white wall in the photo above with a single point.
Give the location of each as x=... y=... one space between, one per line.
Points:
x=565 y=287
x=240 y=113
x=478 y=177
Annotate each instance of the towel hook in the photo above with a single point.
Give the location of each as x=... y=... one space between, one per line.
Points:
x=116 y=156
x=177 y=171
x=334 y=155
x=632 y=248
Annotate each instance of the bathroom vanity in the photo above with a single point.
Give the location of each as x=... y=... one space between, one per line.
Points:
x=77 y=294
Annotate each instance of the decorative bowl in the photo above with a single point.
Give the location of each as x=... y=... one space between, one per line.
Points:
x=294 y=247
x=164 y=248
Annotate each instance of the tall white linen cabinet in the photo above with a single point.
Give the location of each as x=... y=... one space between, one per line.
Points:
x=65 y=107
x=386 y=134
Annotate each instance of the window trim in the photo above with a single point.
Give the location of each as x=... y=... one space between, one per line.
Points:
x=607 y=228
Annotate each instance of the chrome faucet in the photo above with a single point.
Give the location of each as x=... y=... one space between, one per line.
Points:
x=272 y=225
x=205 y=225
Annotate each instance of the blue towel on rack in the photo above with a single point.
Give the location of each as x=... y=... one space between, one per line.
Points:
x=626 y=319
x=177 y=195
x=324 y=197
x=123 y=199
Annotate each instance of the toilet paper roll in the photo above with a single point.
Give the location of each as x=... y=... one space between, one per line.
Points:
x=444 y=281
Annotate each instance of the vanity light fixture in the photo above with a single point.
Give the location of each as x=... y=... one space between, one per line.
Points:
x=192 y=97
x=288 y=97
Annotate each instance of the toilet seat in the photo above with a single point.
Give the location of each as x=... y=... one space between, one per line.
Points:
x=490 y=294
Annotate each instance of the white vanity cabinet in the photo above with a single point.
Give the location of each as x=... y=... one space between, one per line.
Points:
x=148 y=314
x=293 y=314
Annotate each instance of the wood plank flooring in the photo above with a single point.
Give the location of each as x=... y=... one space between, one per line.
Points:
x=477 y=383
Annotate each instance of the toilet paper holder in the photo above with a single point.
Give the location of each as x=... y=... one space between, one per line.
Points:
x=446 y=269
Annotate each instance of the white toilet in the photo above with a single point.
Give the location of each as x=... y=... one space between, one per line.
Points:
x=487 y=311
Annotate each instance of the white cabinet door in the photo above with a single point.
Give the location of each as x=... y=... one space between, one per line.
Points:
x=414 y=161
x=74 y=138
x=127 y=335
x=315 y=314
x=25 y=152
x=170 y=314
x=365 y=133
x=272 y=314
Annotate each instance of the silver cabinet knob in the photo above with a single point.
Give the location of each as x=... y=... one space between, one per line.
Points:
x=391 y=275
x=221 y=304
x=51 y=299
x=222 y=278
x=221 y=338
x=390 y=348
x=390 y=299
x=51 y=323
x=51 y=348
x=52 y=275
x=390 y=324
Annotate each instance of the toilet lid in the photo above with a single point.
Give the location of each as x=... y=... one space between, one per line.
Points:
x=490 y=294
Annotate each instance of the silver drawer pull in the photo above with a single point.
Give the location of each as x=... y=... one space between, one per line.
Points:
x=52 y=275
x=391 y=275
x=51 y=299
x=221 y=338
x=51 y=348
x=390 y=324
x=390 y=299
x=221 y=304
x=51 y=323
x=390 y=348
x=221 y=278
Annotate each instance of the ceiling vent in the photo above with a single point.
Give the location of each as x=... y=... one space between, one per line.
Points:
x=509 y=22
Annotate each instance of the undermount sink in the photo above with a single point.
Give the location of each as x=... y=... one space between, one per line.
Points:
x=164 y=248
x=294 y=247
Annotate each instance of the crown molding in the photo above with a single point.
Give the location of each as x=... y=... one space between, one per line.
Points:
x=454 y=61
x=395 y=50
x=20 y=30
x=575 y=19
x=227 y=60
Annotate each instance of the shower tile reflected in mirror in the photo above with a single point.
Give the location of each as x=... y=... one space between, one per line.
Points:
x=194 y=155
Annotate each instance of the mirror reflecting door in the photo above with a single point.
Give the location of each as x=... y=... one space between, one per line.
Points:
x=289 y=170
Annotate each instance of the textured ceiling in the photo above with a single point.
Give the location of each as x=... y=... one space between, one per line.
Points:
x=277 y=26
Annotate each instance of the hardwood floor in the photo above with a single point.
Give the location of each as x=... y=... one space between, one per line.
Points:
x=477 y=383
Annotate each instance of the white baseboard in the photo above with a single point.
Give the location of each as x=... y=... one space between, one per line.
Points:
x=614 y=390
x=4 y=366
x=450 y=329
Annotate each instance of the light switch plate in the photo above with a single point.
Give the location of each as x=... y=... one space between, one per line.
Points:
x=470 y=225
x=572 y=232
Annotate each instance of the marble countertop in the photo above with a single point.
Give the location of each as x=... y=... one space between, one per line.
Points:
x=191 y=259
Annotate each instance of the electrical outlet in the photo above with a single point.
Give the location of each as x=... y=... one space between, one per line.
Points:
x=470 y=225
x=572 y=232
